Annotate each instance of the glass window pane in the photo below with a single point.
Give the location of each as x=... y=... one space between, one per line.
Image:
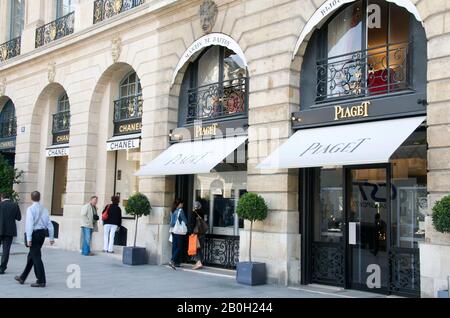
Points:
x=234 y=67
x=208 y=67
x=63 y=7
x=128 y=163
x=17 y=18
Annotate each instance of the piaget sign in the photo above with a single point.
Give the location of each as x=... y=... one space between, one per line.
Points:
x=201 y=131
x=352 y=111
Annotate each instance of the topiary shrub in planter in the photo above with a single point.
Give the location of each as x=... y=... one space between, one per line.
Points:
x=138 y=205
x=251 y=207
x=441 y=215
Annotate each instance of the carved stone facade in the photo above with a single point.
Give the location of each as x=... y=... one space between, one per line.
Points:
x=208 y=15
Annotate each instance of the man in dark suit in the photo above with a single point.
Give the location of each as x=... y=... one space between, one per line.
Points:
x=9 y=214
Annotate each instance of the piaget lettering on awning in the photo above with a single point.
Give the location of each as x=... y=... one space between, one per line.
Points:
x=182 y=159
x=130 y=128
x=345 y=147
x=352 y=111
x=201 y=131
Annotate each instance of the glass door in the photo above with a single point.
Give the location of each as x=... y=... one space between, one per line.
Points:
x=368 y=204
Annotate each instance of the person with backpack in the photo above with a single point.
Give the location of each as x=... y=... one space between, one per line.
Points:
x=112 y=220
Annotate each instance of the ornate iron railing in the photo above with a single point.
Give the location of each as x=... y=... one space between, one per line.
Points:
x=10 y=49
x=327 y=263
x=61 y=122
x=379 y=70
x=405 y=271
x=104 y=9
x=218 y=100
x=8 y=128
x=220 y=251
x=55 y=30
x=128 y=109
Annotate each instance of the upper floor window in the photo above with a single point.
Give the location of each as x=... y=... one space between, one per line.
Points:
x=214 y=86
x=61 y=120
x=8 y=126
x=360 y=56
x=63 y=7
x=128 y=108
x=17 y=10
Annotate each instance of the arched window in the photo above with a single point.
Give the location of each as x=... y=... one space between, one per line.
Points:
x=61 y=120
x=214 y=86
x=354 y=56
x=128 y=108
x=8 y=125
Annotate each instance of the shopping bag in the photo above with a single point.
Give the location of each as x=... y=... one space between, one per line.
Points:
x=192 y=245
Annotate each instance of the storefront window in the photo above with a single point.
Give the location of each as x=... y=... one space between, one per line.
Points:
x=409 y=206
x=329 y=208
x=59 y=185
x=126 y=183
x=219 y=193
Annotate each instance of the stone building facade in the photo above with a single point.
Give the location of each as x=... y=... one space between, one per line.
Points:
x=86 y=61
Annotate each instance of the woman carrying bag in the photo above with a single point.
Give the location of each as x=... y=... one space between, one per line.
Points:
x=112 y=220
x=178 y=230
x=198 y=227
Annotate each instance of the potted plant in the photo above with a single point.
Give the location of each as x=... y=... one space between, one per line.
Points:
x=138 y=205
x=251 y=207
x=8 y=177
x=441 y=222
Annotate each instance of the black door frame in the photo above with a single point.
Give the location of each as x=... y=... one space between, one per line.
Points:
x=307 y=182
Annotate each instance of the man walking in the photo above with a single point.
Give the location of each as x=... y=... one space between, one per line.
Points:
x=89 y=218
x=9 y=214
x=37 y=224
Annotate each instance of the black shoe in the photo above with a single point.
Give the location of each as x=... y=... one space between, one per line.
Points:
x=177 y=265
x=20 y=280
x=172 y=264
x=38 y=285
x=2 y=272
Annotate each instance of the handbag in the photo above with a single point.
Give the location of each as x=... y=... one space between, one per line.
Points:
x=201 y=227
x=105 y=214
x=192 y=250
x=179 y=228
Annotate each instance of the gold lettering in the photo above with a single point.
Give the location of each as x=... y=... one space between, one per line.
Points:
x=62 y=138
x=352 y=111
x=130 y=127
x=206 y=131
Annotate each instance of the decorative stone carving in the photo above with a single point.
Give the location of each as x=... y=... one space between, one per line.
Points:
x=2 y=86
x=208 y=15
x=116 y=48
x=51 y=72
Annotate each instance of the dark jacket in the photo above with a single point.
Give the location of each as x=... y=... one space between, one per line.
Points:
x=114 y=215
x=9 y=214
x=193 y=219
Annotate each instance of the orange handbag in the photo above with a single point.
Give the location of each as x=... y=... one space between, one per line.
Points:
x=192 y=250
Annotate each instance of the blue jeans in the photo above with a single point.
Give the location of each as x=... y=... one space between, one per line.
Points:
x=86 y=240
x=177 y=242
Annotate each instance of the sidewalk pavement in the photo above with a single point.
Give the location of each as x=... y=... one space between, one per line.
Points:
x=104 y=276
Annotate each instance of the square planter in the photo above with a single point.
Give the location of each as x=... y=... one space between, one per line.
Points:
x=442 y=294
x=134 y=255
x=251 y=273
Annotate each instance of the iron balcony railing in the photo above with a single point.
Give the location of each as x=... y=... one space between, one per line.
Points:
x=10 y=49
x=379 y=70
x=61 y=122
x=8 y=128
x=55 y=30
x=104 y=9
x=128 y=109
x=218 y=100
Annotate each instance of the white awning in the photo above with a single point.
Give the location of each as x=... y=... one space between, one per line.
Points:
x=192 y=157
x=342 y=145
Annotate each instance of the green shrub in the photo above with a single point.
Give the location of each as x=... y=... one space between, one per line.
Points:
x=252 y=207
x=441 y=215
x=8 y=177
x=138 y=205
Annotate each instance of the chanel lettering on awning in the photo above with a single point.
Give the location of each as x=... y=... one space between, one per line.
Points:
x=57 y=152
x=341 y=145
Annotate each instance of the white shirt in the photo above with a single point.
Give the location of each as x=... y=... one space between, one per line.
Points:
x=43 y=223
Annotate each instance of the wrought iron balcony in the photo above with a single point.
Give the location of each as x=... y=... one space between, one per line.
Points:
x=10 y=49
x=55 y=30
x=104 y=9
x=128 y=109
x=218 y=100
x=380 y=70
x=8 y=128
x=61 y=122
